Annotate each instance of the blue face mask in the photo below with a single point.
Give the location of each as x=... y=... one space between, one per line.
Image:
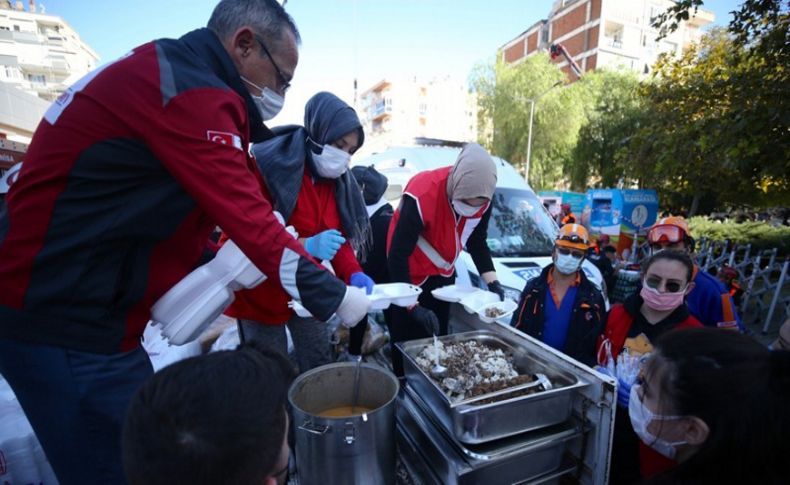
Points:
x=567 y=264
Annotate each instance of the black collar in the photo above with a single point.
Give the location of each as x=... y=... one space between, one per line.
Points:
x=205 y=44
x=634 y=302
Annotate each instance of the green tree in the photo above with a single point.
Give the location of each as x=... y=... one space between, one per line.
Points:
x=702 y=139
x=613 y=108
x=754 y=135
x=504 y=92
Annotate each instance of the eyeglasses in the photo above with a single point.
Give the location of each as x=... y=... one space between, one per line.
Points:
x=566 y=251
x=670 y=286
x=284 y=81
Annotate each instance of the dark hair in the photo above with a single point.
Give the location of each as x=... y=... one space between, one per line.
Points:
x=670 y=255
x=267 y=17
x=740 y=389
x=216 y=418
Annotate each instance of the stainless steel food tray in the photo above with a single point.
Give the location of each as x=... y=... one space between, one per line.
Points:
x=472 y=422
x=513 y=460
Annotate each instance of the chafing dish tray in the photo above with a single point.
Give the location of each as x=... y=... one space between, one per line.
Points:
x=511 y=460
x=500 y=414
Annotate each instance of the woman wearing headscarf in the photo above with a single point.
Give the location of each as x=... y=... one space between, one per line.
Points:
x=306 y=172
x=441 y=212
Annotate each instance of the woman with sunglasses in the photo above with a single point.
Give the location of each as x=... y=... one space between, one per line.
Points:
x=561 y=307
x=658 y=308
x=717 y=402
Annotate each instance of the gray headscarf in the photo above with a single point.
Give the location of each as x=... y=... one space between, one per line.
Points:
x=473 y=175
x=283 y=159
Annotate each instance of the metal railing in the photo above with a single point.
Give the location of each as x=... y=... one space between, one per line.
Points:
x=766 y=278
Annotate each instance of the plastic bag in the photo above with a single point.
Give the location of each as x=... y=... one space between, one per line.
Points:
x=22 y=460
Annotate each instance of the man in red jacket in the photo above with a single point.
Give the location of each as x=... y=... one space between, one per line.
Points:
x=127 y=175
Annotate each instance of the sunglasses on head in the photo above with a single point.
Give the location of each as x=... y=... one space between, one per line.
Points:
x=566 y=251
x=671 y=286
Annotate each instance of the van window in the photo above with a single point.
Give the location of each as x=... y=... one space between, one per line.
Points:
x=519 y=225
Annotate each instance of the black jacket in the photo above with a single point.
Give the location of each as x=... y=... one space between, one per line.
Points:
x=587 y=320
x=375 y=265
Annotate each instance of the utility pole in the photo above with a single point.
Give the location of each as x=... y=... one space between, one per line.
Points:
x=531 y=117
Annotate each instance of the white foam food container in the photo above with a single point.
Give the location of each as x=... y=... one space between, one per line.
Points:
x=384 y=295
x=506 y=308
x=477 y=300
x=454 y=293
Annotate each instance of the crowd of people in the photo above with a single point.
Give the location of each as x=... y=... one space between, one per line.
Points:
x=133 y=169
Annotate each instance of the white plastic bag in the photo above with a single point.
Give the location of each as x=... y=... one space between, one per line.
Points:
x=22 y=460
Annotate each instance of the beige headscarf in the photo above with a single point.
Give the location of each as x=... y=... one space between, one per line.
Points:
x=473 y=175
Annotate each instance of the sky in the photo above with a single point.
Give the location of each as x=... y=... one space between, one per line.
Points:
x=341 y=39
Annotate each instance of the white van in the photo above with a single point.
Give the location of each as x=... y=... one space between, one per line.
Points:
x=521 y=232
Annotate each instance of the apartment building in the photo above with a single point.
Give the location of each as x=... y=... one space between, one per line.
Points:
x=605 y=33
x=394 y=112
x=40 y=56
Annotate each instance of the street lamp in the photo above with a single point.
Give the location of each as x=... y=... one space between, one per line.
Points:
x=531 y=116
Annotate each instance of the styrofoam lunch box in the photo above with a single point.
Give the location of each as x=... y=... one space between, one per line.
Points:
x=384 y=295
x=454 y=293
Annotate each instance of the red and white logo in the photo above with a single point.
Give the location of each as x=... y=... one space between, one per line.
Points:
x=224 y=138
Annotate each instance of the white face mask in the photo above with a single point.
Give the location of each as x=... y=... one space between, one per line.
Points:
x=463 y=209
x=641 y=417
x=332 y=162
x=567 y=264
x=269 y=103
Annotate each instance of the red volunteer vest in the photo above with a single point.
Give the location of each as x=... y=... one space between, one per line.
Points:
x=440 y=230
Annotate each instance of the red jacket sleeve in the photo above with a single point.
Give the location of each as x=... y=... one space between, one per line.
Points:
x=345 y=262
x=200 y=137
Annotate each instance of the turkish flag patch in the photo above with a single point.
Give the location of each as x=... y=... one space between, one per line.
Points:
x=224 y=138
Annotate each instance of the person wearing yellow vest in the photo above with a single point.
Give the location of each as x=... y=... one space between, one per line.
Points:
x=442 y=212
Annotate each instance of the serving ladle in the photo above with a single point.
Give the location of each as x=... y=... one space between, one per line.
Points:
x=438 y=371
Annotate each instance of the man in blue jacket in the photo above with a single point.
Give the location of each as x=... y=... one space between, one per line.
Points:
x=709 y=301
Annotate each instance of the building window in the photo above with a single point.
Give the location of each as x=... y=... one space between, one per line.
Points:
x=16 y=28
x=655 y=11
x=37 y=79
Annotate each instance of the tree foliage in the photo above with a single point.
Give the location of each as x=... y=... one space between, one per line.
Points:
x=717 y=128
x=709 y=128
x=503 y=94
x=613 y=112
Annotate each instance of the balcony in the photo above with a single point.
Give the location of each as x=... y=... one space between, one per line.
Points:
x=380 y=109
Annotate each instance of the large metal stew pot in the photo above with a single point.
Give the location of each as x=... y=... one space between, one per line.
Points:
x=351 y=449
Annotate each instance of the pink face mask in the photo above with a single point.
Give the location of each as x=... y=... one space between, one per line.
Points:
x=662 y=302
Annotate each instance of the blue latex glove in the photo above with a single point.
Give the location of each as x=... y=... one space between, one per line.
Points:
x=324 y=245
x=361 y=280
x=623 y=393
x=623 y=389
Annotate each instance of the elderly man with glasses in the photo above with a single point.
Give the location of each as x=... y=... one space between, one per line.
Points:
x=561 y=307
x=127 y=175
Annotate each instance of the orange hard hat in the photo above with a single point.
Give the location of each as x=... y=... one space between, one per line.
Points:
x=573 y=236
x=670 y=230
